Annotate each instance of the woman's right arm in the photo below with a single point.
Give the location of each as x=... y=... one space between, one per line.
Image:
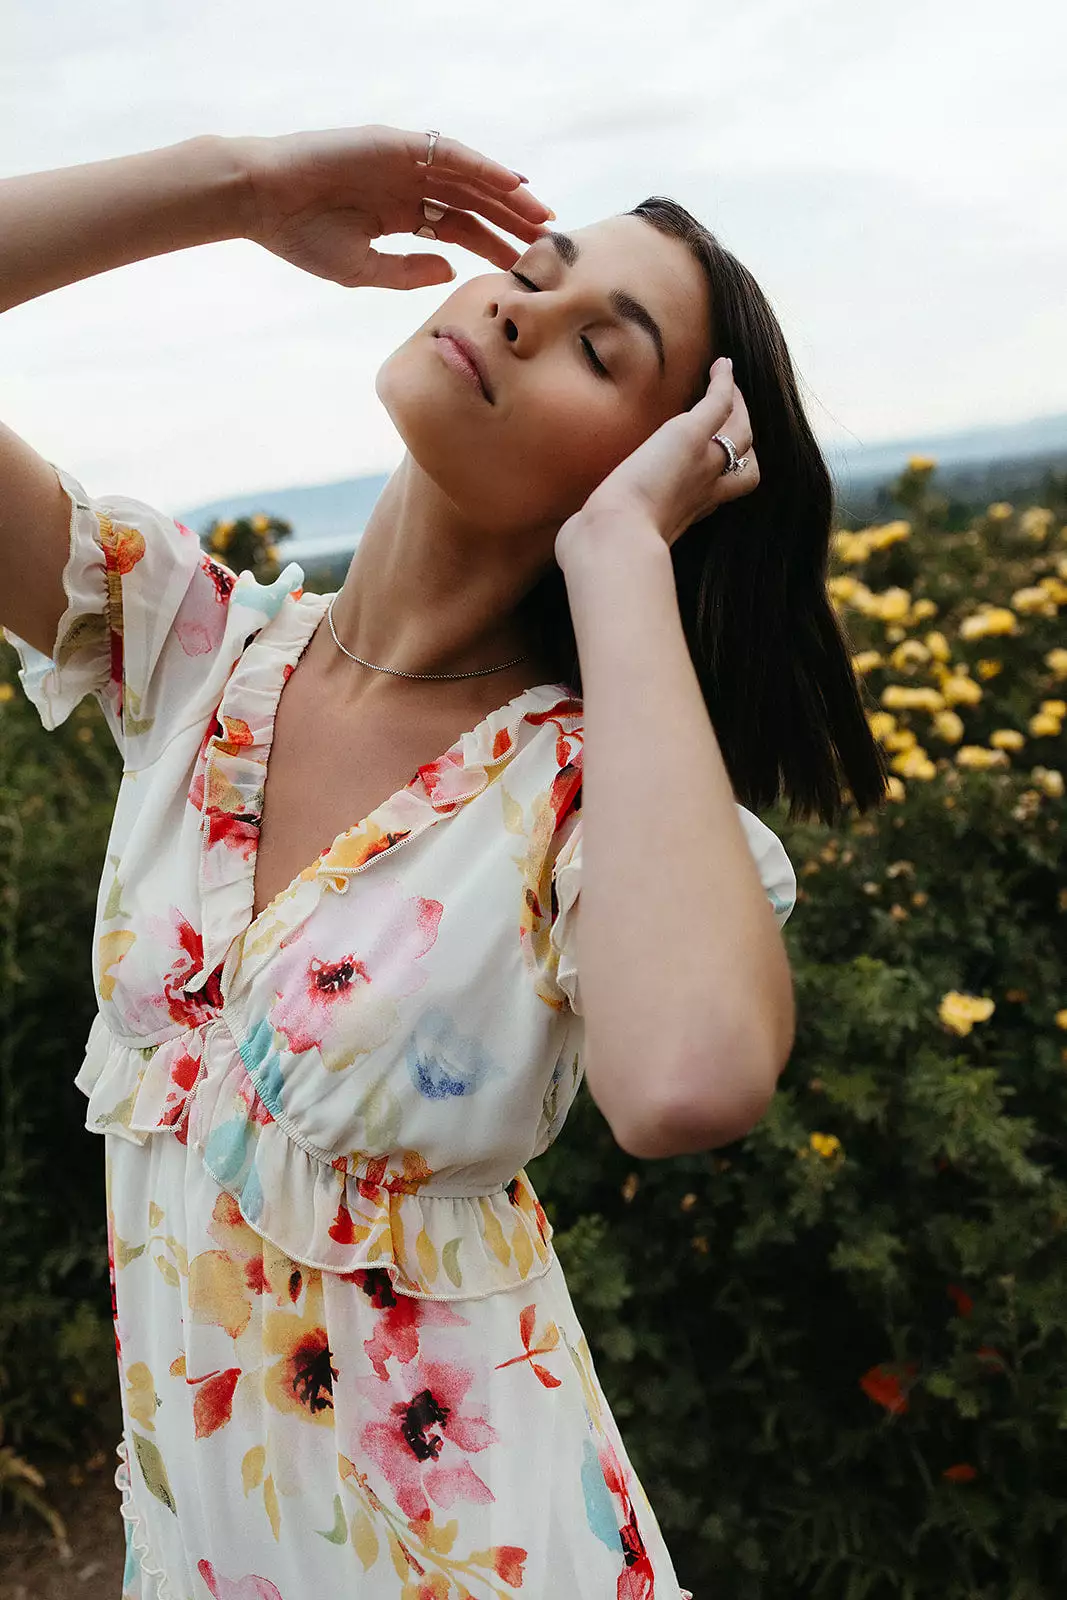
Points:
x=56 y=228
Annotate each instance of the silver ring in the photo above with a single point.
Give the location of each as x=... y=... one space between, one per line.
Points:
x=434 y=134
x=734 y=462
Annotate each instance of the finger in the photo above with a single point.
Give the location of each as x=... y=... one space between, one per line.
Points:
x=467 y=164
x=520 y=213
x=463 y=228
x=421 y=270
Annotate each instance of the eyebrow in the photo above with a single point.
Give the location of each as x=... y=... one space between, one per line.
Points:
x=624 y=305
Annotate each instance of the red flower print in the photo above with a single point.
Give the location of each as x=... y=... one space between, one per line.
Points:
x=549 y=1341
x=962 y=1472
x=636 y=1580
x=421 y=1432
x=189 y=1010
x=882 y=1385
x=214 y=1400
x=249 y=1588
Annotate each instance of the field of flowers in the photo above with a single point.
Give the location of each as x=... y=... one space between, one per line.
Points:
x=837 y=1349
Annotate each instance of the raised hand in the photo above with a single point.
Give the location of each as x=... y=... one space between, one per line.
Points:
x=319 y=199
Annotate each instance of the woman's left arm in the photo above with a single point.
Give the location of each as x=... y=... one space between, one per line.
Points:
x=687 y=992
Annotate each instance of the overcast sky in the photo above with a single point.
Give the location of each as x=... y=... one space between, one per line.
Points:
x=893 y=175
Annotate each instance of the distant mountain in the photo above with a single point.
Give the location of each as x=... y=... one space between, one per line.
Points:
x=329 y=517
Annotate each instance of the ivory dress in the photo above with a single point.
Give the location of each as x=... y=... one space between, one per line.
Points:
x=349 y=1362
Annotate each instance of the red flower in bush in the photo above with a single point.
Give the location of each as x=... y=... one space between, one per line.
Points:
x=962 y=1472
x=963 y=1301
x=882 y=1385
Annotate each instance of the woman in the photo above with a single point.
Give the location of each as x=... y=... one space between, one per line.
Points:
x=349 y=1361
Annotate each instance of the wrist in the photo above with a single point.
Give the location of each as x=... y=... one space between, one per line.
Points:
x=589 y=541
x=226 y=166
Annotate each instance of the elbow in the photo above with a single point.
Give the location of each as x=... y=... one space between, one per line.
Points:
x=709 y=1103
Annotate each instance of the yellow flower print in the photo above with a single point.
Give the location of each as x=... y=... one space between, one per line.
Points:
x=301 y=1380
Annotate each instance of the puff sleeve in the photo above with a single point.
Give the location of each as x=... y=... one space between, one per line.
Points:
x=146 y=622
x=775 y=869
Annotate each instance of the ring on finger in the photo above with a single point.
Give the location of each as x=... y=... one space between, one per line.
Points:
x=734 y=462
x=433 y=212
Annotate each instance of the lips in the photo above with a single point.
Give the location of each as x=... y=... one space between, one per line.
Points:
x=472 y=353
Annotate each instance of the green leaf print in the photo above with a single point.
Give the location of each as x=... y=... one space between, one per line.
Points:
x=449 y=1261
x=131 y=720
x=113 y=906
x=338 y=1534
x=154 y=1472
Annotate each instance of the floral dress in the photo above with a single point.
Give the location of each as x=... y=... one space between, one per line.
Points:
x=349 y=1362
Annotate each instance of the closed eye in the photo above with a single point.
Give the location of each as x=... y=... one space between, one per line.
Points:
x=595 y=361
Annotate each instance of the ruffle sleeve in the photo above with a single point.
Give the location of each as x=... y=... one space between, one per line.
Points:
x=775 y=869
x=146 y=612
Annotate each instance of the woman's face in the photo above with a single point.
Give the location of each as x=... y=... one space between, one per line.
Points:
x=557 y=424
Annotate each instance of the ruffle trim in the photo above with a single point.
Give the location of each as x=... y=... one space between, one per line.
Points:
x=161 y=1589
x=337 y=1214
x=81 y=659
x=235 y=769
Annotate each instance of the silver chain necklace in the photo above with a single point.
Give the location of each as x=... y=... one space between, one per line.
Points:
x=481 y=671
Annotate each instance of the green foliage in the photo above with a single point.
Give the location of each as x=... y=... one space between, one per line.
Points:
x=844 y=1370
x=836 y=1348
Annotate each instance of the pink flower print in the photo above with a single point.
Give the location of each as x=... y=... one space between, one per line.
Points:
x=201 y=620
x=422 y=1436
x=339 y=995
x=396 y=1331
x=250 y=1588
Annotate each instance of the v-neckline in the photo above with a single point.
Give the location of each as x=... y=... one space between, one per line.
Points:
x=237 y=767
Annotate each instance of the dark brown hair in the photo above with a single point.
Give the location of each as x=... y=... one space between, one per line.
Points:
x=770 y=652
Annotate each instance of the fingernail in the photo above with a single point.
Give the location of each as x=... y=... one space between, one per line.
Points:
x=730 y=362
x=550 y=215
x=521 y=177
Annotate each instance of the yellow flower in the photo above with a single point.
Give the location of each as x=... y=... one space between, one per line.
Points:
x=1056 y=661
x=1034 y=602
x=999 y=511
x=1054 y=587
x=895 y=789
x=1006 y=739
x=989 y=667
x=6 y=693
x=948 y=725
x=867 y=660
x=914 y=763
x=981 y=759
x=900 y=696
x=843 y=587
x=826 y=1145
x=900 y=739
x=1053 y=708
x=938 y=646
x=907 y=653
x=260 y=523
x=957 y=689
x=922 y=463
x=894 y=604
x=1061 y=1019
x=961 y=1011
x=881 y=723
x=1049 y=779
x=922 y=609
x=1044 y=726
x=988 y=620
x=1035 y=522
